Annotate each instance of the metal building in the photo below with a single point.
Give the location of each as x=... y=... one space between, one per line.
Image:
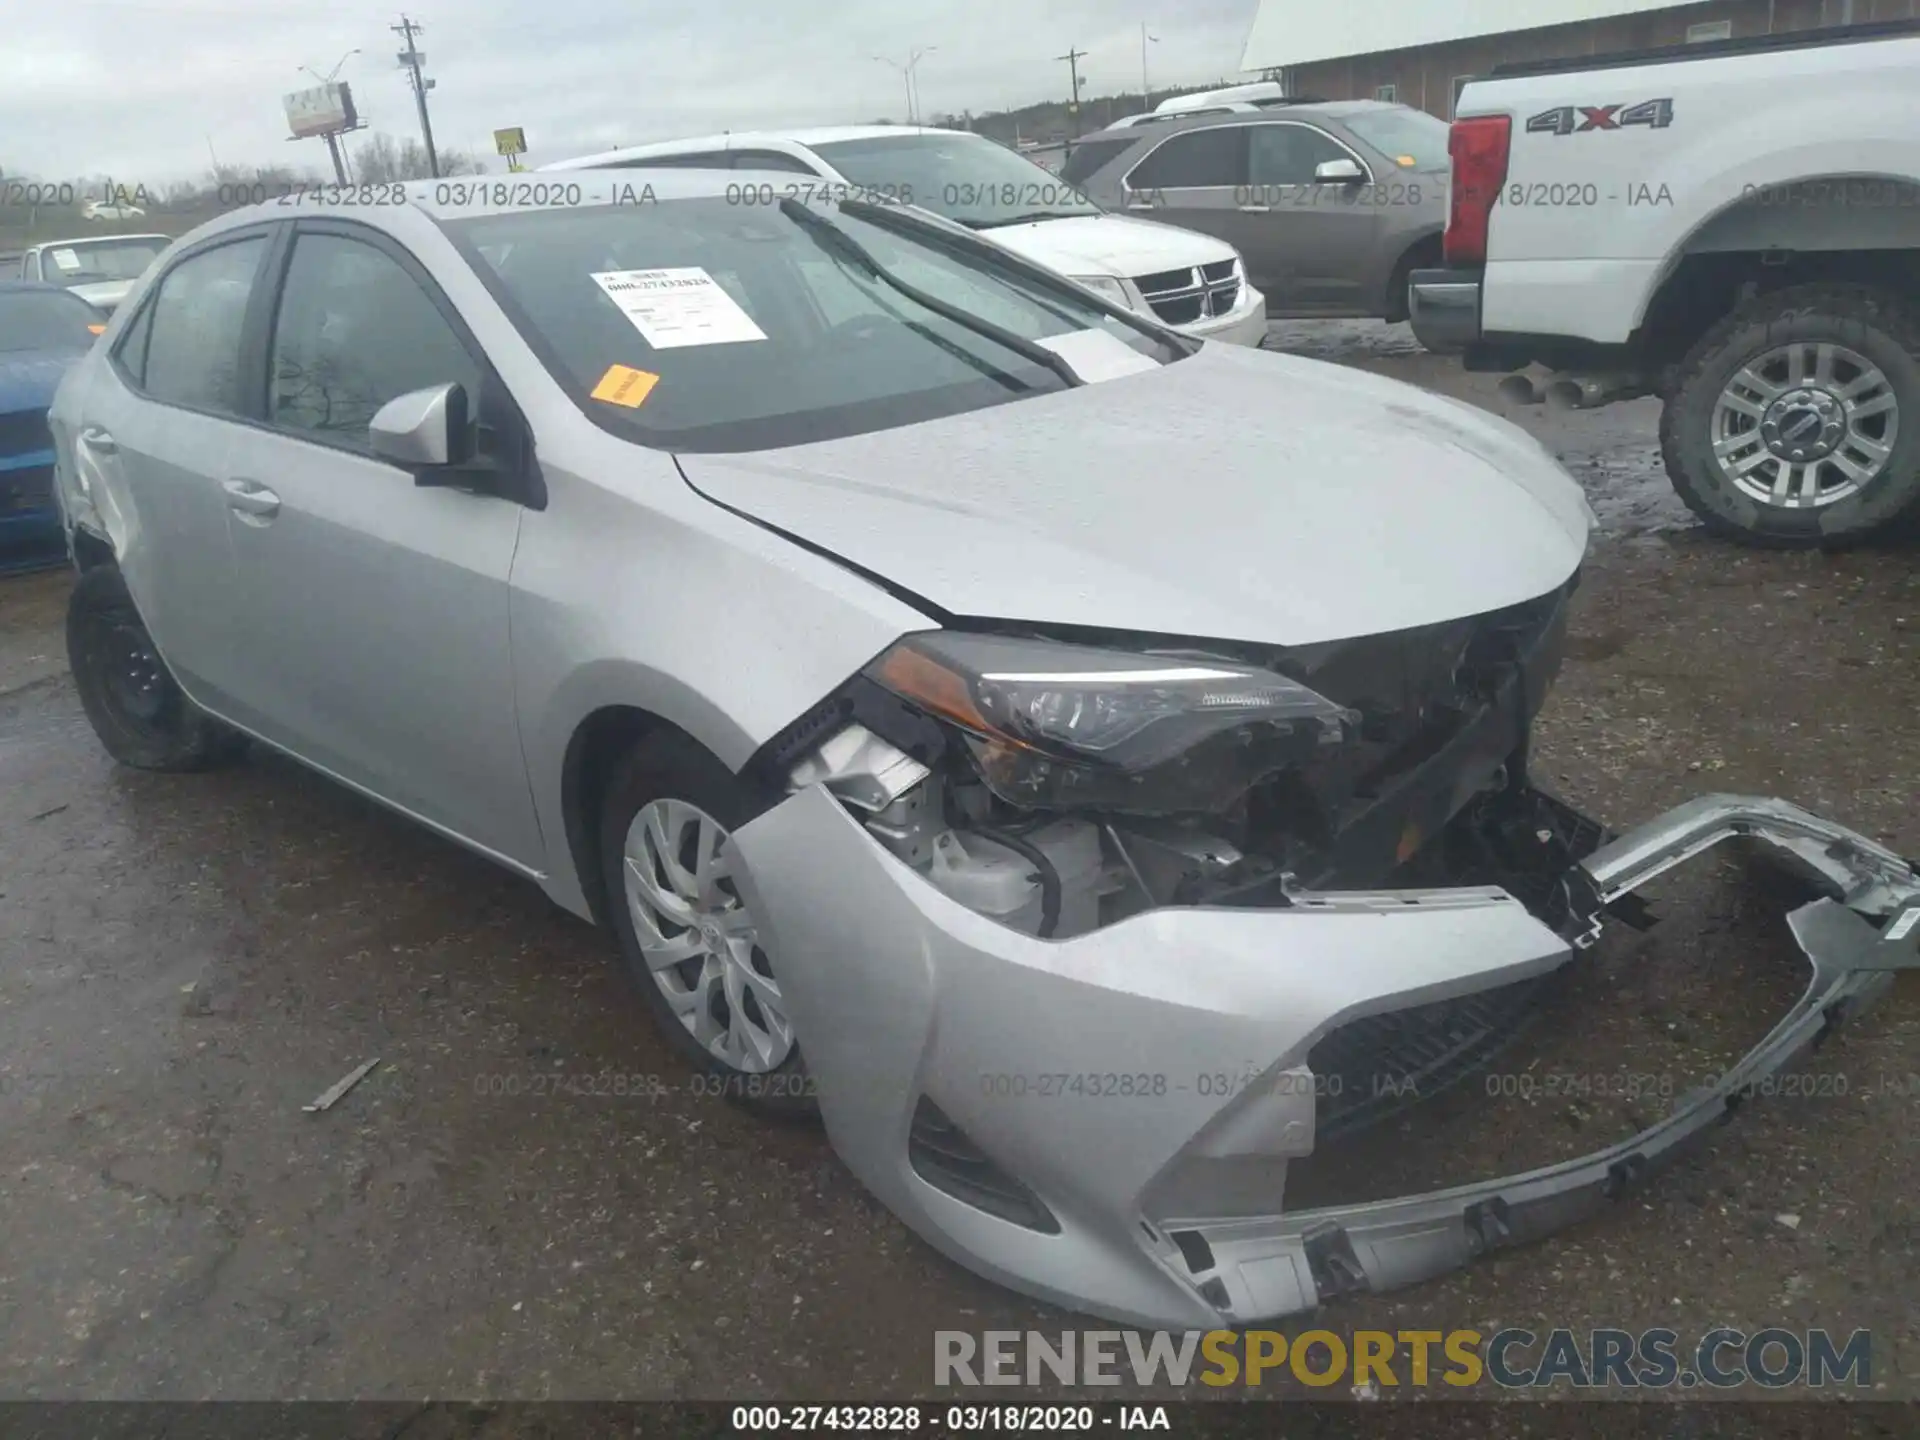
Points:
x=1421 y=52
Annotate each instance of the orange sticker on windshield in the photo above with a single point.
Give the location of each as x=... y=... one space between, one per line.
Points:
x=1405 y=162
x=96 y=329
x=623 y=385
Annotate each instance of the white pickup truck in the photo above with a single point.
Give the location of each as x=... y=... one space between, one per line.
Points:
x=1732 y=226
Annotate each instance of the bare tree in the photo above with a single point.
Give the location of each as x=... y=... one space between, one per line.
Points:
x=384 y=158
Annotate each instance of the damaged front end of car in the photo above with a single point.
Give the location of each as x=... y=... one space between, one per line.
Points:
x=1088 y=938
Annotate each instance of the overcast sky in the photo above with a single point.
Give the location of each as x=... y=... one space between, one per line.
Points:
x=141 y=89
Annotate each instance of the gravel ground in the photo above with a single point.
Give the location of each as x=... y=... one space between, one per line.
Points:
x=185 y=961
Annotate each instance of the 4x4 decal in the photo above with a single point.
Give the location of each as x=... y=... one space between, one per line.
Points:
x=1575 y=119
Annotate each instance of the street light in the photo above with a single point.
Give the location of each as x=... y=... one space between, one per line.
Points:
x=913 y=60
x=1146 y=90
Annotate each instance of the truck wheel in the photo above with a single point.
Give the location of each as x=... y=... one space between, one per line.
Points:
x=1795 y=421
x=134 y=704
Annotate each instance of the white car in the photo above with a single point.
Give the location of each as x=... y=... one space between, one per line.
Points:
x=108 y=210
x=1194 y=283
x=100 y=269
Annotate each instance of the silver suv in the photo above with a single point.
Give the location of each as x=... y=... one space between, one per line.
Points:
x=1331 y=204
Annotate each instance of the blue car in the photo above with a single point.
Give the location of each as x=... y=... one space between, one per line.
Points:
x=43 y=330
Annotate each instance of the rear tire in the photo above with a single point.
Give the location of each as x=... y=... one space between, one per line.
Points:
x=1867 y=341
x=134 y=704
x=667 y=812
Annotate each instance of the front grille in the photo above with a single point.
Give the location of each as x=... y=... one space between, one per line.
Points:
x=23 y=492
x=23 y=432
x=1377 y=1066
x=1185 y=297
x=943 y=1156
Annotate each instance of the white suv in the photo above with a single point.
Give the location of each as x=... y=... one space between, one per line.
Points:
x=1193 y=283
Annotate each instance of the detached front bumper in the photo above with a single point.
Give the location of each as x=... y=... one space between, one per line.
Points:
x=1105 y=1122
x=1443 y=306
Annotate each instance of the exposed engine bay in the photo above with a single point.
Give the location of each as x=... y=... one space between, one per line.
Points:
x=1414 y=767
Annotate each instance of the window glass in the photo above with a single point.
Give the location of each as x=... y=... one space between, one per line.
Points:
x=771 y=160
x=193 y=351
x=132 y=353
x=354 y=331
x=968 y=178
x=705 y=160
x=90 y=262
x=1215 y=157
x=1087 y=156
x=1288 y=154
x=1404 y=135
x=806 y=344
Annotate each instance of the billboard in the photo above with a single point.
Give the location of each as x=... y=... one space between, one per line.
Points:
x=321 y=110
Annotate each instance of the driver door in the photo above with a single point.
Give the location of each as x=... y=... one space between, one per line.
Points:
x=373 y=610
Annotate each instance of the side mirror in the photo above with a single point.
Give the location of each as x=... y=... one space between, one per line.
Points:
x=423 y=428
x=1337 y=172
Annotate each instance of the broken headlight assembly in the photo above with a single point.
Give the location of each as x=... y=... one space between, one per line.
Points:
x=1056 y=726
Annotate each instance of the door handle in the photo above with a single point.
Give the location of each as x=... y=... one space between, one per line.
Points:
x=250 y=499
x=99 y=441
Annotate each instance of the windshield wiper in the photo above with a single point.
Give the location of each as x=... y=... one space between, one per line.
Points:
x=1027 y=217
x=906 y=222
x=832 y=236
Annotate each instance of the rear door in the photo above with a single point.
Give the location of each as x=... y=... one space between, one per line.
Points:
x=1191 y=180
x=1308 y=244
x=153 y=438
x=373 y=637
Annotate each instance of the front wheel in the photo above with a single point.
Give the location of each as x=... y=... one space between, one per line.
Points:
x=1795 y=421
x=135 y=706
x=690 y=943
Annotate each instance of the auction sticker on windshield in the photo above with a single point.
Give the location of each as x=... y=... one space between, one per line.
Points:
x=66 y=259
x=677 y=307
x=624 y=385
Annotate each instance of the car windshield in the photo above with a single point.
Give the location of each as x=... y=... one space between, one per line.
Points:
x=86 y=262
x=963 y=177
x=695 y=324
x=46 y=320
x=1412 y=138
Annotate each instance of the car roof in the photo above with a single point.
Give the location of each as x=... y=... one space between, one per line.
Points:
x=750 y=140
x=8 y=287
x=1307 y=109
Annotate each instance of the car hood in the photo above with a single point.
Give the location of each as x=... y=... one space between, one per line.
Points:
x=1235 y=495
x=28 y=378
x=104 y=293
x=1112 y=245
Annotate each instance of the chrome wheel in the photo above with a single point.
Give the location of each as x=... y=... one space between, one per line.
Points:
x=1805 y=425
x=698 y=939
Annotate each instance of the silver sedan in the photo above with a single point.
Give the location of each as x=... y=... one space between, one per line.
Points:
x=1082 y=761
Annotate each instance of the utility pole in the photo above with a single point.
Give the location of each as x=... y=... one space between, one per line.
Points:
x=411 y=60
x=914 y=58
x=1073 y=59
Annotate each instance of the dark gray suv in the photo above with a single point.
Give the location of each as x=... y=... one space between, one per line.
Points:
x=1332 y=203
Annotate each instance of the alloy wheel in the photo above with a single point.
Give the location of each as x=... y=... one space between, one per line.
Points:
x=1805 y=425
x=699 y=940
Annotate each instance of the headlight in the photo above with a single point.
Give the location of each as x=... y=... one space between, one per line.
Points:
x=1108 y=288
x=1057 y=726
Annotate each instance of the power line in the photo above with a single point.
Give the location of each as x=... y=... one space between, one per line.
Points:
x=411 y=60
